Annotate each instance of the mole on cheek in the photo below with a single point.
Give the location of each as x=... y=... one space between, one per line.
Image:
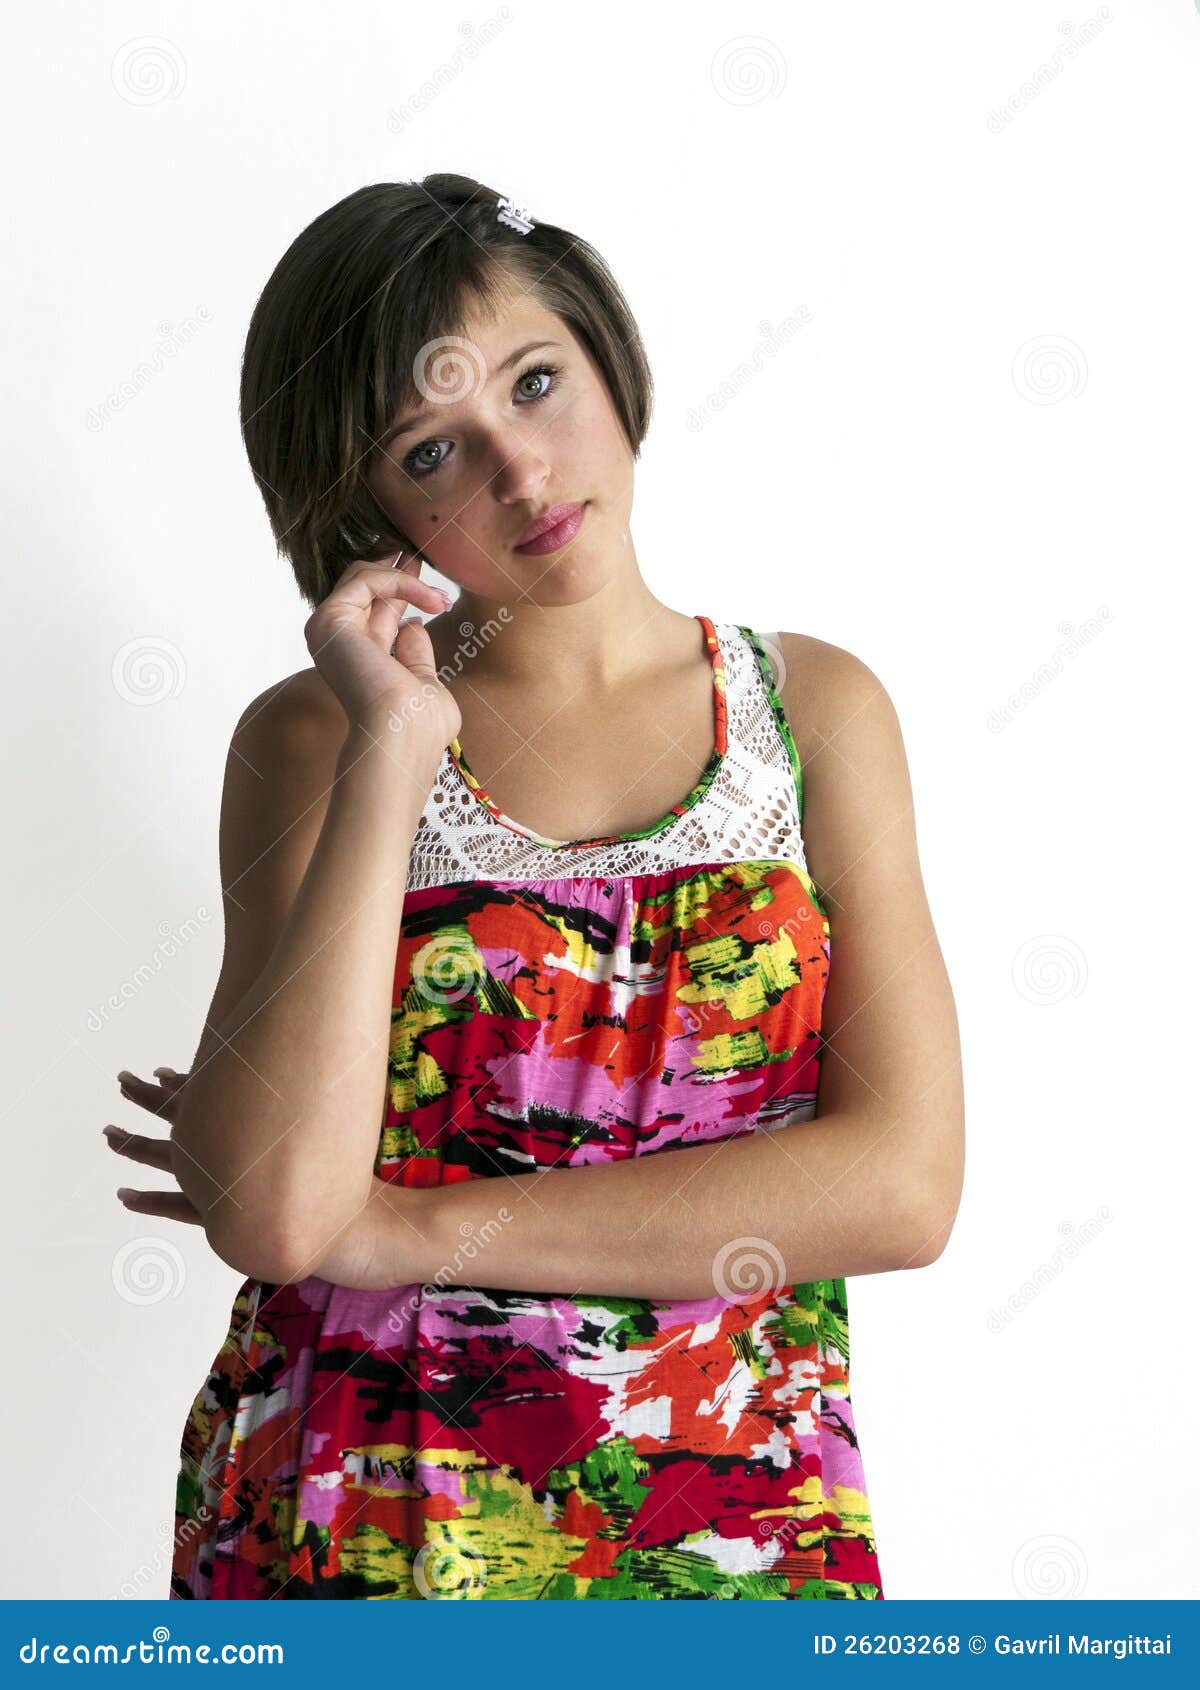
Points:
x=433 y=519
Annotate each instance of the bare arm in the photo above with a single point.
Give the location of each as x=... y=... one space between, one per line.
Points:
x=871 y=1185
x=279 y=1121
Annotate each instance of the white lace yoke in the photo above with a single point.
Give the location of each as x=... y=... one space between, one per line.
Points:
x=750 y=810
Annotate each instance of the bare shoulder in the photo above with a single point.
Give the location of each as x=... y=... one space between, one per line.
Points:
x=856 y=788
x=296 y=714
x=281 y=768
x=825 y=689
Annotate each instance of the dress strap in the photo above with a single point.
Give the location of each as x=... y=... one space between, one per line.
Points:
x=772 y=669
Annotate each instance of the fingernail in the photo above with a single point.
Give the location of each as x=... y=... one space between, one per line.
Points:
x=124 y=1074
x=446 y=599
x=126 y=1193
x=112 y=1132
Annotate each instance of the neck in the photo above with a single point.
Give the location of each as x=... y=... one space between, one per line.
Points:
x=616 y=632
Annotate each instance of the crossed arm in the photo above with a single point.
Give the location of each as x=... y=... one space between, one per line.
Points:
x=815 y=1200
x=871 y=1185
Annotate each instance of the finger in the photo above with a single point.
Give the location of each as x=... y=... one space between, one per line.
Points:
x=172 y=1077
x=139 y=1091
x=171 y=1205
x=364 y=582
x=414 y=649
x=154 y=1152
x=404 y=562
x=383 y=619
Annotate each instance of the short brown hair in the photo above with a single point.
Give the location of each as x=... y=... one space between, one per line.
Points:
x=330 y=352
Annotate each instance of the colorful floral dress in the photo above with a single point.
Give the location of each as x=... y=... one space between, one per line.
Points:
x=560 y=1003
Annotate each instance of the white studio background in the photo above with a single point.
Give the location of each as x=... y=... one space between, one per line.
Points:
x=919 y=293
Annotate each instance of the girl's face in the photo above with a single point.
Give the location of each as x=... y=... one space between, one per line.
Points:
x=514 y=419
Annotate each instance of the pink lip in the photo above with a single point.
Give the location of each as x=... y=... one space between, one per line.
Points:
x=549 y=532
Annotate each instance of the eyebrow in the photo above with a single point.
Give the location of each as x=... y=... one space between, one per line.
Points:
x=407 y=424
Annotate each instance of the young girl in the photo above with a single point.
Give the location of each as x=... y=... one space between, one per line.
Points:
x=493 y=1341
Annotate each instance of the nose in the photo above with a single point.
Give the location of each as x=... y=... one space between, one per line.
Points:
x=520 y=473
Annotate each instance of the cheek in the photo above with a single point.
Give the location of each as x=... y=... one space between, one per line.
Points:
x=594 y=435
x=385 y=487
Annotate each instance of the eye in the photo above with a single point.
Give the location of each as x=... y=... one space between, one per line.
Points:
x=420 y=468
x=550 y=370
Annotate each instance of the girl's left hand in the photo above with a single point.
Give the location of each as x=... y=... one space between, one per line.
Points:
x=153 y=1152
x=374 y=1251
x=362 y=1259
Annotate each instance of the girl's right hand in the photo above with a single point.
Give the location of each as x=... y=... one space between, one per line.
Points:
x=379 y=666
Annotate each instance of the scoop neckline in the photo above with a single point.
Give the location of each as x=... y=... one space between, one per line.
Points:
x=716 y=758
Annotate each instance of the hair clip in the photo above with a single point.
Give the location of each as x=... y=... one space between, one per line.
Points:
x=514 y=215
